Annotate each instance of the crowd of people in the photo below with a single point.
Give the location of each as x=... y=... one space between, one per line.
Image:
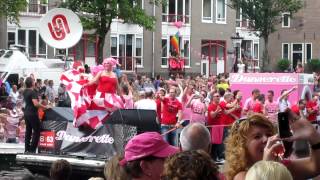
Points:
x=221 y=129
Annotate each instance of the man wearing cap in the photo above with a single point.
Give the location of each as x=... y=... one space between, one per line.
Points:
x=144 y=156
x=171 y=109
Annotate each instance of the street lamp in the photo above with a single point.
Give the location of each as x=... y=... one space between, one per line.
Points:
x=236 y=41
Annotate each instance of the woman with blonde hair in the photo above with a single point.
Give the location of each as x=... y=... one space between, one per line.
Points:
x=253 y=139
x=268 y=170
x=114 y=171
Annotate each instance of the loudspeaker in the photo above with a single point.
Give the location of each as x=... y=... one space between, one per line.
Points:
x=145 y=120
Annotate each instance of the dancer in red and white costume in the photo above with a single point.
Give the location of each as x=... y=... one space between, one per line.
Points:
x=93 y=109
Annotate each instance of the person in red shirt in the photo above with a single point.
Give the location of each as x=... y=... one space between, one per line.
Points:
x=300 y=108
x=170 y=110
x=237 y=102
x=159 y=96
x=228 y=108
x=214 y=110
x=214 y=113
x=258 y=107
x=313 y=108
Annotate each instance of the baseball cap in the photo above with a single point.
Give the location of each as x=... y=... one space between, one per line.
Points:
x=147 y=144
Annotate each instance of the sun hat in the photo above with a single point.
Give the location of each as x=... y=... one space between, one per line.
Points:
x=147 y=144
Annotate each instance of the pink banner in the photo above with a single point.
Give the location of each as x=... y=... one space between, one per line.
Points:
x=246 y=82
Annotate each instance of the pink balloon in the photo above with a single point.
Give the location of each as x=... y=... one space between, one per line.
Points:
x=178 y=24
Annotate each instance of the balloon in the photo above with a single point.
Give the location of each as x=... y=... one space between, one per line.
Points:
x=178 y=24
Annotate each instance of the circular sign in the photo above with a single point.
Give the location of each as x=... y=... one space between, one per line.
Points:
x=60 y=28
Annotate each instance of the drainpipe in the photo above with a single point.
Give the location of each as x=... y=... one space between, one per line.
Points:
x=154 y=14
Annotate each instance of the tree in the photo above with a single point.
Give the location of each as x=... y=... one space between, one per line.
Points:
x=98 y=14
x=264 y=15
x=11 y=8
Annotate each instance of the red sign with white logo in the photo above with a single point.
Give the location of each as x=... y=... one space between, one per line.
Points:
x=47 y=139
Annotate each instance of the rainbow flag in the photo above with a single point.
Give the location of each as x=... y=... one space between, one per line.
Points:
x=175 y=42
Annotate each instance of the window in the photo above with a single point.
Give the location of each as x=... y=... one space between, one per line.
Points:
x=221 y=11
x=128 y=49
x=176 y=10
x=308 y=51
x=42 y=47
x=91 y=46
x=206 y=10
x=11 y=38
x=21 y=37
x=164 y=53
x=256 y=51
x=285 y=51
x=139 y=61
x=238 y=17
x=32 y=46
x=114 y=50
x=186 y=52
x=286 y=20
x=33 y=6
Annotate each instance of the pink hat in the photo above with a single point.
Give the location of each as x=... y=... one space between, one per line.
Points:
x=147 y=144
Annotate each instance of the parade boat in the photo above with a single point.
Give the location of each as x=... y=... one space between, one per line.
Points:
x=84 y=148
x=14 y=64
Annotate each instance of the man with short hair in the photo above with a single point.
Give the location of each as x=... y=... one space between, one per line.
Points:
x=249 y=103
x=146 y=103
x=271 y=107
x=195 y=136
x=171 y=109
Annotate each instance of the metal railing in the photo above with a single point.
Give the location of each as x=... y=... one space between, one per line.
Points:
x=175 y=18
x=35 y=9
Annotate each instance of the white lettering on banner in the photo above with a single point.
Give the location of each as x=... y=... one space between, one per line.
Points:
x=104 y=139
x=239 y=78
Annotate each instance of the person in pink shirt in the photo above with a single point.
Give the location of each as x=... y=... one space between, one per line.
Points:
x=198 y=108
x=126 y=96
x=187 y=94
x=21 y=131
x=271 y=107
x=249 y=103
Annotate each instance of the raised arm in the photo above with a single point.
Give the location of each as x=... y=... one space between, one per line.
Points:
x=94 y=80
x=286 y=93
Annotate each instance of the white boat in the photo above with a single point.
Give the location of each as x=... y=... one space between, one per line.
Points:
x=16 y=64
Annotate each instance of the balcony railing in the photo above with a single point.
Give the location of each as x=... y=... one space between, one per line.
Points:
x=35 y=10
x=175 y=18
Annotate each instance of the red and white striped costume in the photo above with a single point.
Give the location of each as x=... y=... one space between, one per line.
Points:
x=91 y=107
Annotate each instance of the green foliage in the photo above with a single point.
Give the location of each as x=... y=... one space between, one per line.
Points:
x=98 y=14
x=314 y=65
x=283 y=64
x=11 y=8
x=264 y=15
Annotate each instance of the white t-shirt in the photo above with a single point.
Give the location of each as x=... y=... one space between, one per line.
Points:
x=146 y=104
x=241 y=68
x=14 y=96
x=283 y=105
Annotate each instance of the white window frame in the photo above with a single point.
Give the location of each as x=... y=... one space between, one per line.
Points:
x=176 y=12
x=218 y=20
x=258 y=53
x=15 y=37
x=182 y=47
x=305 y=49
x=282 y=48
x=39 y=5
x=38 y=47
x=203 y=18
x=289 y=20
x=117 y=37
x=302 y=51
x=240 y=18
x=168 y=50
x=135 y=48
